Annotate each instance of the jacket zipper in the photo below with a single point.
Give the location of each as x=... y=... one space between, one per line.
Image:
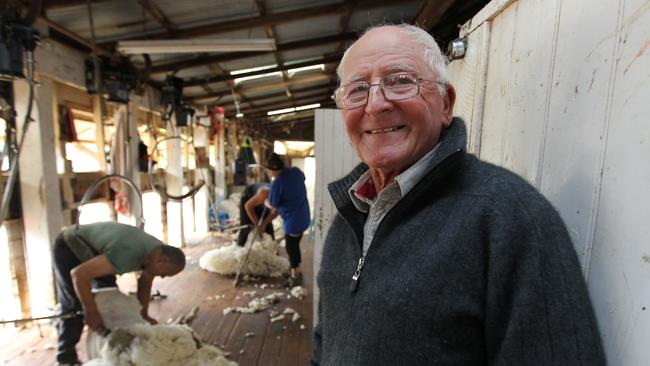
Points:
x=362 y=260
x=357 y=273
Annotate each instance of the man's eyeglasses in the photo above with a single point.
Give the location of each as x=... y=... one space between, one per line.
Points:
x=397 y=86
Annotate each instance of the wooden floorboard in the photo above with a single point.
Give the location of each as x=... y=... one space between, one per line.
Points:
x=280 y=343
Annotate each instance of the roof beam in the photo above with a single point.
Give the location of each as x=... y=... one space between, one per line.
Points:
x=206 y=60
x=53 y=4
x=266 y=100
x=270 y=32
x=265 y=86
x=153 y=10
x=431 y=12
x=268 y=97
x=270 y=19
x=72 y=35
x=227 y=77
x=261 y=112
x=299 y=100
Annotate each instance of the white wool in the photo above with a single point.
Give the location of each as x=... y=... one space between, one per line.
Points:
x=255 y=305
x=277 y=318
x=295 y=317
x=288 y=311
x=298 y=292
x=152 y=345
x=133 y=341
x=262 y=260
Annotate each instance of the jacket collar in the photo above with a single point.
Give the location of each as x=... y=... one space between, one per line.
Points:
x=452 y=141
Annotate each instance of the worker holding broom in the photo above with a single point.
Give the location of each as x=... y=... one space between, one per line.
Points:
x=288 y=198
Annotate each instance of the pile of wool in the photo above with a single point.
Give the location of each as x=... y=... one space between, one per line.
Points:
x=298 y=292
x=169 y=344
x=133 y=341
x=263 y=259
x=255 y=305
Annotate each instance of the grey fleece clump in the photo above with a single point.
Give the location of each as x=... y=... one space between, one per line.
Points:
x=472 y=267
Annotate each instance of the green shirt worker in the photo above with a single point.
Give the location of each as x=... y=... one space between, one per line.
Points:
x=89 y=256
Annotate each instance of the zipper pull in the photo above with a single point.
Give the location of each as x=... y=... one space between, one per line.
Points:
x=357 y=273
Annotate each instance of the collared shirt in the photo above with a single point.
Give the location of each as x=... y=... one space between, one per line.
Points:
x=377 y=205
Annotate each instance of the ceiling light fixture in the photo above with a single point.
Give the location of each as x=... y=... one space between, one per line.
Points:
x=292 y=109
x=195 y=45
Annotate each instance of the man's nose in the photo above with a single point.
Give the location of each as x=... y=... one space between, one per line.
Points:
x=377 y=102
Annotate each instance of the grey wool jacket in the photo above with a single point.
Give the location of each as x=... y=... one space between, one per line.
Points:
x=472 y=267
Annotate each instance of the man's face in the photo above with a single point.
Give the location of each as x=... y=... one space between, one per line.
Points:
x=162 y=268
x=392 y=135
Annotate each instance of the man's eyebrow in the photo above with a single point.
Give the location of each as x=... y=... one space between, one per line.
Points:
x=399 y=68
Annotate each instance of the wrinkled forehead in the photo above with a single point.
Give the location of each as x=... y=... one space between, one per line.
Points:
x=387 y=49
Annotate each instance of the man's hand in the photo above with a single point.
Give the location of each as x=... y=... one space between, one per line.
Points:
x=94 y=321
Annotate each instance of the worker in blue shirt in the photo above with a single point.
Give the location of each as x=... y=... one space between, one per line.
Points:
x=288 y=198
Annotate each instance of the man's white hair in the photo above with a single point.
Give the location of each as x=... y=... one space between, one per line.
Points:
x=432 y=56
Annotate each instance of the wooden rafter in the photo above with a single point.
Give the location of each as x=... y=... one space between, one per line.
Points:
x=53 y=4
x=288 y=46
x=270 y=33
x=270 y=19
x=72 y=35
x=153 y=10
x=300 y=93
x=265 y=86
x=261 y=112
x=237 y=97
x=227 y=77
x=431 y=12
x=300 y=100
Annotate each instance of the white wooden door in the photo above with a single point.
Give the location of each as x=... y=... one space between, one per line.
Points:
x=335 y=157
x=565 y=105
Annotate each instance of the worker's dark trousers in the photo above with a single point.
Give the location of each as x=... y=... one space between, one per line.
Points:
x=292 y=245
x=70 y=329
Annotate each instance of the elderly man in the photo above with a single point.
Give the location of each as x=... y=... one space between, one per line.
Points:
x=436 y=257
x=91 y=255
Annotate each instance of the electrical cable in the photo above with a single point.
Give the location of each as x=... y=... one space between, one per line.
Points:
x=13 y=165
x=157 y=187
x=93 y=187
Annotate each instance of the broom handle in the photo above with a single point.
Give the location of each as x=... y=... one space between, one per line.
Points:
x=248 y=250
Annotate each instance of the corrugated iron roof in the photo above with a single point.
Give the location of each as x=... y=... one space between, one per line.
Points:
x=303 y=30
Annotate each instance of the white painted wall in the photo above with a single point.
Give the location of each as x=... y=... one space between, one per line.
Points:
x=563 y=102
x=335 y=157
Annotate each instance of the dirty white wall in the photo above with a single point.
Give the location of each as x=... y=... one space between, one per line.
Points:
x=558 y=92
x=335 y=157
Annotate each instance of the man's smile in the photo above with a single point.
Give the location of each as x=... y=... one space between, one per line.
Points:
x=384 y=130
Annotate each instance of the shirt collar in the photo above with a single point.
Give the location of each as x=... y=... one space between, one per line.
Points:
x=411 y=176
x=362 y=192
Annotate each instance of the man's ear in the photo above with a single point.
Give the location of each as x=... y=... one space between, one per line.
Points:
x=448 y=100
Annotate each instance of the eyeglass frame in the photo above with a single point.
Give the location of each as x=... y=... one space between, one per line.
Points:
x=418 y=80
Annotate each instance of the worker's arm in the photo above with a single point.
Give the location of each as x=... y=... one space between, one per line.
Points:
x=82 y=276
x=272 y=214
x=258 y=199
x=144 y=295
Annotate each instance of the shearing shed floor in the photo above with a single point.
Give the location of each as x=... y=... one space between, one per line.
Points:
x=251 y=339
